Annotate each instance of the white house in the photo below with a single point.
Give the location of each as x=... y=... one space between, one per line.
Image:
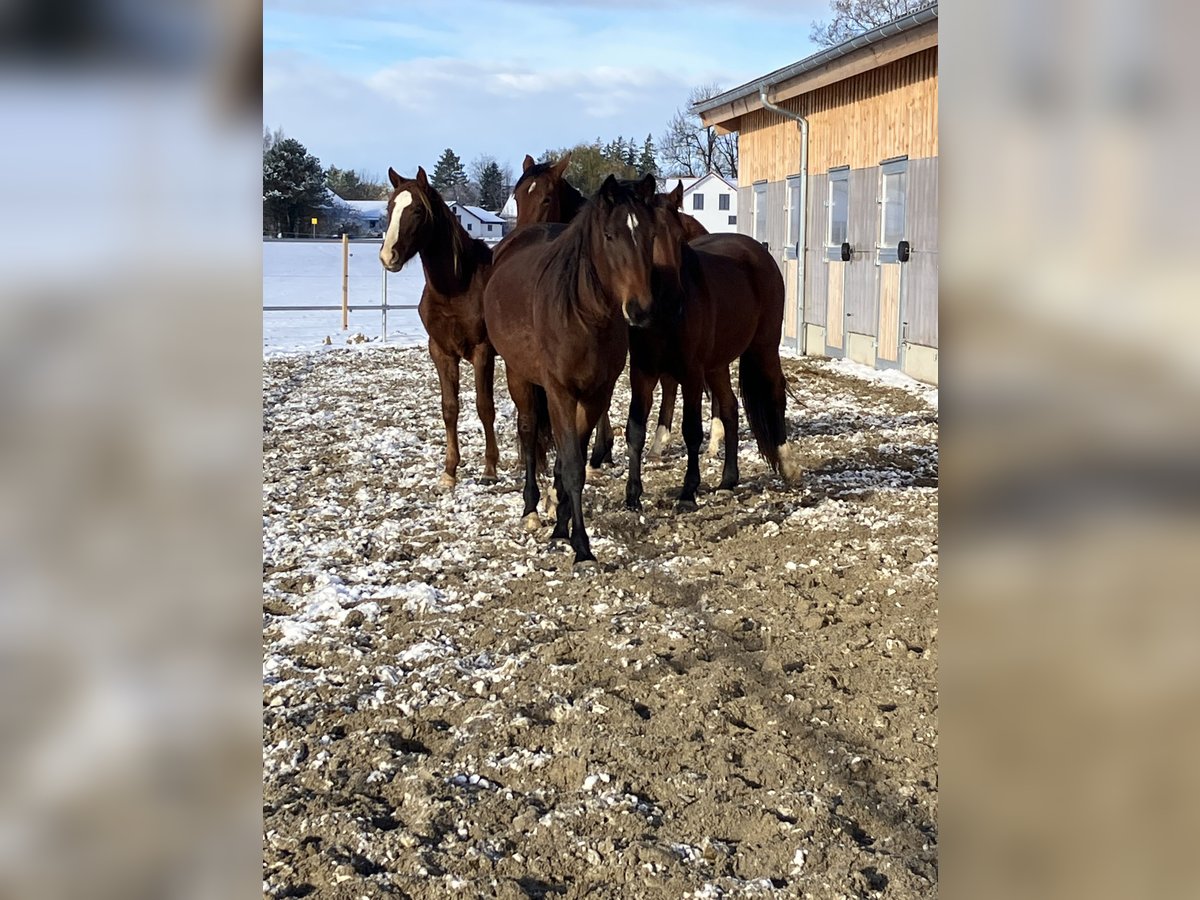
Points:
x=711 y=199
x=479 y=223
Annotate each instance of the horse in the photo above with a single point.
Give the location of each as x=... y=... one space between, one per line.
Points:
x=717 y=298
x=543 y=194
x=456 y=267
x=557 y=308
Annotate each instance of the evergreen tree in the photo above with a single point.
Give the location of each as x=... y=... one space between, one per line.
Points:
x=647 y=164
x=629 y=155
x=491 y=187
x=293 y=186
x=354 y=185
x=450 y=178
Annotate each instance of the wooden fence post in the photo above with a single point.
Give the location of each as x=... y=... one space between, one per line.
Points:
x=345 y=282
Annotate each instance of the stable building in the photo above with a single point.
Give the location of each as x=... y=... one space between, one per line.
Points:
x=837 y=174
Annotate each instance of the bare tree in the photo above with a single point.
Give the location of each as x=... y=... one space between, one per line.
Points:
x=853 y=17
x=689 y=147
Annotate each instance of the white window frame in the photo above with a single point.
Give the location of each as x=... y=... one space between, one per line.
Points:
x=697 y=202
x=760 y=190
x=834 y=251
x=792 y=189
x=897 y=166
x=722 y=203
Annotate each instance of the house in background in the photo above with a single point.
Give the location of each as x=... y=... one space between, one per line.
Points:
x=479 y=223
x=838 y=168
x=711 y=199
x=370 y=215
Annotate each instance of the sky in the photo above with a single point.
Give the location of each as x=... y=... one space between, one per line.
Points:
x=367 y=84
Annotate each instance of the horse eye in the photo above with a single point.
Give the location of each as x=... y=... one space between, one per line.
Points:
x=608 y=235
x=545 y=201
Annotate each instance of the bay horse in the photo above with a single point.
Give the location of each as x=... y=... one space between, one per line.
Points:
x=543 y=194
x=557 y=307
x=456 y=267
x=717 y=298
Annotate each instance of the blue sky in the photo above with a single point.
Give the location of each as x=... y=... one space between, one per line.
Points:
x=365 y=84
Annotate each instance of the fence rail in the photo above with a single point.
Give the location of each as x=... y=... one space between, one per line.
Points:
x=345 y=306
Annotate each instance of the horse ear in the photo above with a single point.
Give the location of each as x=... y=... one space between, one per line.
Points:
x=393 y=177
x=646 y=188
x=422 y=179
x=528 y=164
x=676 y=196
x=608 y=188
x=561 y=166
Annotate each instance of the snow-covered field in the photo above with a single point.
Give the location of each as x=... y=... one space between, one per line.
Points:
x=309 y=273
x=741 y=701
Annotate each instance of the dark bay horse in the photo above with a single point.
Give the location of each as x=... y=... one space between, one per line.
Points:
x=557 y=307
x=456 y=269
x=717 y=298
x=543 y=194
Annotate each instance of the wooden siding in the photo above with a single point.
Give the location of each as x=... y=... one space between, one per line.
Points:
x=836 y=315
x=921 y=278
x=889 y=111
x=887 y=347
x=862 y=282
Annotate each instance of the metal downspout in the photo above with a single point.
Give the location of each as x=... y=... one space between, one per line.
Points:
x=802 y=248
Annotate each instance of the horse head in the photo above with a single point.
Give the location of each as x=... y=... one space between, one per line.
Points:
x=539 y=191
x=409 y=211
x=624 y=244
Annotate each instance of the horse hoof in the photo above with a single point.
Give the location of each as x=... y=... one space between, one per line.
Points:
x=593 y=472
x=532 y=522
x=485 y=478
x=682 y=505
x=447 y=481
x=792 y=471
x=585 y=561
x=727 y=485
x=559 y=534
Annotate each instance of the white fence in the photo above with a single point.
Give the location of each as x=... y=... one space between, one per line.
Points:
x=304 y=283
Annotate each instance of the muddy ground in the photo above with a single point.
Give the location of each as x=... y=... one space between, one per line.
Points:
x=740 y=701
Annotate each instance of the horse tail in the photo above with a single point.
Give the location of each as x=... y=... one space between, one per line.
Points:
x=545 y=434
x=762 y=386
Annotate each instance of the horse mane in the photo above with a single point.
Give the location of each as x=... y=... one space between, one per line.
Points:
x=441 y=219
x=570 y=276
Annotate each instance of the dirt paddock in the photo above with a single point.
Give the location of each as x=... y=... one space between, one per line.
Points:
x=739 y=701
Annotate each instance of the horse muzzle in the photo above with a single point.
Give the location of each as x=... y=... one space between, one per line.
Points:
x=636 y=314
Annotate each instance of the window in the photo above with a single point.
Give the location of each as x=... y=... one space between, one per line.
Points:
x=760 y=212
x=792 y=202
x=733 y=220
x=892 y=199
x=839 y=211
x=468 y=226
x=723 y=201
x=697 y=201
x=489 y=227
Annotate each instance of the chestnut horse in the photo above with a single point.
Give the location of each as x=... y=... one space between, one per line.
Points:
x=456 y=269
x=716 y=299
x=557 y=308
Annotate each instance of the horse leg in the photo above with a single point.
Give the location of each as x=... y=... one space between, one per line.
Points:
x=641 y=394
x=563 y=413
x=725 y=413
x=716 y=426
x=485 y=382
x=527 y=431
x=666 y=413
x=602 y=451
x=693 y=433
x=563 y=502
x=447 y=369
